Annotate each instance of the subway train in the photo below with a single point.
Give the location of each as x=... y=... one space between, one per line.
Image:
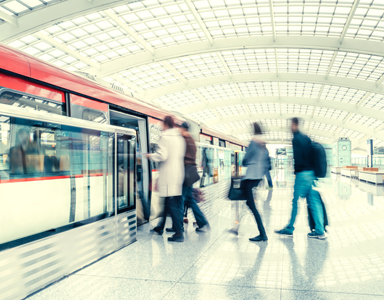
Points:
x=74 y=181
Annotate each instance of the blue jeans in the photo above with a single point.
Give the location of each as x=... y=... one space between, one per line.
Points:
x=189 y=201
x=303 y=188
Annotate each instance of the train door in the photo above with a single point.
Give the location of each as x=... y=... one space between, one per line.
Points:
x=142 y=170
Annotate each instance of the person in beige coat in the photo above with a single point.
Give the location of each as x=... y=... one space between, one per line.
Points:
x=170 y=155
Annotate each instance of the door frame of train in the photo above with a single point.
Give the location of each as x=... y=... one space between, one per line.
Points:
x=143 y=137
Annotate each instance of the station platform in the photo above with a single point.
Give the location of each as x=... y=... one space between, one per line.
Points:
x=349 y=264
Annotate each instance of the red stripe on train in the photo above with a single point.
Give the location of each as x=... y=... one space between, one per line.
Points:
x=48 y=178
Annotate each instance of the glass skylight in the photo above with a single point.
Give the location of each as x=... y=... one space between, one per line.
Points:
x=176 y=54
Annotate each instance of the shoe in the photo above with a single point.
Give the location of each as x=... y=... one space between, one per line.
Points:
x=178 y=239
x=314 y=235
x=234 y=231
x=259 y=238
x=203 y=228
x=158 y=230
x=185 y=220
x=285 y=232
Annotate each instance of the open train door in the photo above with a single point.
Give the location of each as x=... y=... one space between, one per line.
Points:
x=143 y=204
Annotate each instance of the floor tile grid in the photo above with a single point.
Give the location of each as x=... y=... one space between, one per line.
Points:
x=192 y=266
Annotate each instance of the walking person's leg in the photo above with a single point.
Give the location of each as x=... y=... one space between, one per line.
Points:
x=176 y=209
x=316 y=208
x=301 y=189
x=249 y=185
x=160 y=226
x=191 y=202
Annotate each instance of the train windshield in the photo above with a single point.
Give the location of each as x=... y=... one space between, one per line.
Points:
x=29 y=102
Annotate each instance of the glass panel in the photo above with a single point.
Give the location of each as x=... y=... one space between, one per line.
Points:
x=94 y=115
x=125 y=173
x=31 y=103
x=52 y=176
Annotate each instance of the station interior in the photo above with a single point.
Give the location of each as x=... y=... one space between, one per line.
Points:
x=84 y=88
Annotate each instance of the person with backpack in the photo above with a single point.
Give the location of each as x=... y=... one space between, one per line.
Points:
x=303 y=154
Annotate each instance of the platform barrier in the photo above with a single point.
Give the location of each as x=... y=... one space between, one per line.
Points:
x=336 y=170
x=349 y=171
x=371 y=175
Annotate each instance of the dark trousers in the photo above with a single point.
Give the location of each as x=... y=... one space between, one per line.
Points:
x=249 y=185
x=189 y=201
x=174 y=207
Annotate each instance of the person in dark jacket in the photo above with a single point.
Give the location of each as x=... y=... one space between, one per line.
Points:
x=304 y=180
x=190 y=167
x=256 y=162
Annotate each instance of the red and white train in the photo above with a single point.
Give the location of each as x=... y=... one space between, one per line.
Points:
x=73 y=184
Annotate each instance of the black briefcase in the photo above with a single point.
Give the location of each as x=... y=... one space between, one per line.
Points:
x=237 y=190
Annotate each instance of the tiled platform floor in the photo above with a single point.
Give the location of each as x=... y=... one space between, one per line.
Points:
x=220 y=265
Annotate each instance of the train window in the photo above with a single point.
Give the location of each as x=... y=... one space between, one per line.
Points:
x=94 y=115
x=53 y=176
x=90 y=110
x=33 y=103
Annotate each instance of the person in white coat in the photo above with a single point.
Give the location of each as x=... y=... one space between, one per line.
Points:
x=170 y=154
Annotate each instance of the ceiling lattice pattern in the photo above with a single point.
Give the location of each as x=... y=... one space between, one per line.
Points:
x=337 y=91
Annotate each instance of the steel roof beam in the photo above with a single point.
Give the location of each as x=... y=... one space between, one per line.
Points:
x=53 y=14
x=272 y=77
x=224 y=64
x=380 y=81
x=130 y=31
x=175 y=72
x=331 y=64
x=362 y=100
x=199 y=20
x=272 y=12
x=12 y=20
x=349 y=20
x=63 y=47
x=201 y=97
x=351 y=108
x=241 y=43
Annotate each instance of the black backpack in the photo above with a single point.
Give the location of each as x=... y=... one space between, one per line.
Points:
x=319 y=160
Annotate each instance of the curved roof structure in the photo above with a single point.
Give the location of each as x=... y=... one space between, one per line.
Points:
x=225 y=63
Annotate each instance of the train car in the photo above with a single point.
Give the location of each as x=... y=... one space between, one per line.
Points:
x=73 y=181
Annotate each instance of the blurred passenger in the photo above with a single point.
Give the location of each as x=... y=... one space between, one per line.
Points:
x=24 y=156
x=304 y=180
x=191 y=176
x=205 y=165
x=170 y=154
x=255 y=160
x=267 y=174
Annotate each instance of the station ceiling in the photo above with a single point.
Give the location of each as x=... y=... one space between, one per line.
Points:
x=225 y=63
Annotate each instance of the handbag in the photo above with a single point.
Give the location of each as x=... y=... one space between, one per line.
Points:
x=237 y=190
x=191 y=175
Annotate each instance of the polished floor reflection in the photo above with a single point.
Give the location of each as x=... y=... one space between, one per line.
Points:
x=221 y=265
